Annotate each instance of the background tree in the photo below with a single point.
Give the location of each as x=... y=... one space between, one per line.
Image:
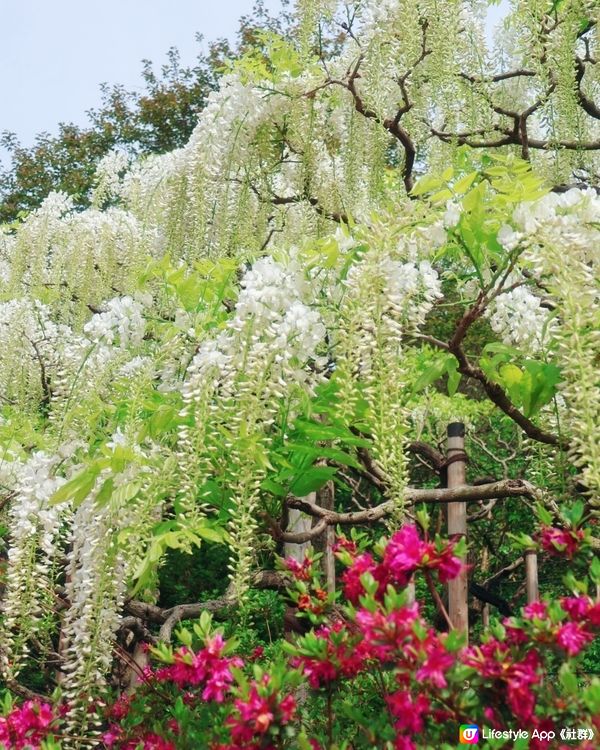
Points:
x=157 y=119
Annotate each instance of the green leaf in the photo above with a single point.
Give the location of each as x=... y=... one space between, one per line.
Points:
x=315 y=452
x=568 y=679
x=455 y=640
x=433 y=370
x=426 y=184
x=312 y=480
x=303 y=742
x=441 y=196
x=78 y=488
x=269 y=485
x=511 y=378
x=511 y=375
x=210 y=533
x=320 y=431
x=162 y=418
x=120 y=457
x=575 y=513
x=105 y=493
x=454 y=375
x=543 y=514
x=126 y=492
x=591 y=696
x=461 y=186
x=539 y=385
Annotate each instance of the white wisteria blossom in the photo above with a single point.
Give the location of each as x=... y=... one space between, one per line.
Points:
x=108 y=176
x=34 y=527
x=519 y=318
x=121 y=323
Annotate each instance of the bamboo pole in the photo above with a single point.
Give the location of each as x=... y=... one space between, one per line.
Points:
x=298 y=522
x=458 y=605
x=326 y=499
x=531 y=576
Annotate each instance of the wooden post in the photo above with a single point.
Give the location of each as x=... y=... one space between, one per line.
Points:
x=298 y=522
x=531 y=576
x=329 y=559
x=326 y=499
x=485 y=615
x=458 y=605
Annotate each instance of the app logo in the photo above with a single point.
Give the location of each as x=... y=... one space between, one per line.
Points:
x=468 y=734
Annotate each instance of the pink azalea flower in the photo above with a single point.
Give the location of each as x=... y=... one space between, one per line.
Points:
x=409 y=712
x=536 y=610
x=345 y=544
x=345 y=657
x=256 y=714
x=572 y=637
x=206 y=667
x=560 y=541
x=543 y=726
x=520 y=677
x=436 y=664
x=300 y=571
x=490 y=659
x=448 y=565
x=154 y=742
x=385 y=635
x=353 y=588
x=112 y=736
x=403 y=742
x=26 y=726
x=593 y=615
x=576 y=606
x=404 y=553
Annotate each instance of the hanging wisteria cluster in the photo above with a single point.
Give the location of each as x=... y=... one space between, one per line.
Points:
x=154 y=346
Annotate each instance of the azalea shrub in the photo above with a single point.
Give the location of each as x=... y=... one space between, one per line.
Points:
x=370 y=672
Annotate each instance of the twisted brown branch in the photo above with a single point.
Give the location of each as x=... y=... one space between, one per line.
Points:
x=169 y=617
x=503 y=489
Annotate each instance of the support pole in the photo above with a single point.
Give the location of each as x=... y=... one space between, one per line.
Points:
x=531 y=576
x=458 y=606
x=326 y=499
x=298 y=522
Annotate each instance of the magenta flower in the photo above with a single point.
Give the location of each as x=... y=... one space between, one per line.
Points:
x=404 y=554
x=520 y=677
x=593 y=615
x=343 y=656
x=27 y=726
x=572 y=637
x=448 y=565
x=535 y=610
x=206 y=667
x=353 y=588
x=154 y=742
x=408 y=712
x=437 y=663
x=576 y=607
x=301 y=571
x=386 y=635
x=258 y=712
x=559 y=542
x=403 y=742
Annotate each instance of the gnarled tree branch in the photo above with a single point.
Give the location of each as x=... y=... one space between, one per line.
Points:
x=503 y=489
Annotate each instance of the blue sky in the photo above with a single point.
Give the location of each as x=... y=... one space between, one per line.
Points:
x=55 y=53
